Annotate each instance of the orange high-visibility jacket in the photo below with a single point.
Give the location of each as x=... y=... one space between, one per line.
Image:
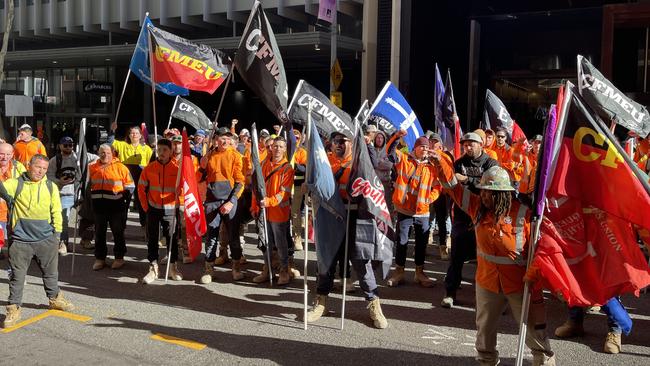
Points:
x=300 y=158
x=527 y=183
x=500 y=246
x=224 y=175
x=641 y=154
x=416 y=186
x=503 y=153
x=491 y=153
x=23 y=151
x=14 y=170
x=157 y=186
x=109 y=181
x=341 y=171
x=278 y=178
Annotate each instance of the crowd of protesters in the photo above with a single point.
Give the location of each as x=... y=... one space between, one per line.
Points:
x=473 y=207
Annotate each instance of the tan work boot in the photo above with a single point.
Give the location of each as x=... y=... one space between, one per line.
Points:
x=12 y=316
x=318 y=310
x=262 y=277
x=152 y=274
x=99 y=264
x=284 y=277
x=377 y=316
x=174 y=273
x=117 y=263
x=422 y=278
x=570 y=329
x=293 y=272
x=222 y=258
x=236 y=271
x=297 y=243
x=59 y=302
x=397 y=277
x=613 y=343
x=208 y=271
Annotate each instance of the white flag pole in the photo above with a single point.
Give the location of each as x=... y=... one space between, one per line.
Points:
x=169 y=123
x=306 y=221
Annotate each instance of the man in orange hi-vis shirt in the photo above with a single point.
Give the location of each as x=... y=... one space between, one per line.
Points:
x=27 y=145
x=502 y=225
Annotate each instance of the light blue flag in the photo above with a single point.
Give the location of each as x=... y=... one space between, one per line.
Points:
x=140 y=64
x=329 y=211
x=392 y=112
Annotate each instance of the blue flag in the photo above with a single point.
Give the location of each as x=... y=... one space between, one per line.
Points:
x=438 y=104
x=329 y=211
x=140 y=64
x=392 y=112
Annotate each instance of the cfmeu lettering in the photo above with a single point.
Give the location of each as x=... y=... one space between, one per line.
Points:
x=612 y=157
x=258 y=44
x=164 y=54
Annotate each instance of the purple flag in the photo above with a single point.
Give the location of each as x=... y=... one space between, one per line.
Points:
x=326 y=9
x=544 y=161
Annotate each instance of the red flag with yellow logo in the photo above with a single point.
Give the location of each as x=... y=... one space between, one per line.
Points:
x=195 y=223
x=588 y=251
x=190 y=65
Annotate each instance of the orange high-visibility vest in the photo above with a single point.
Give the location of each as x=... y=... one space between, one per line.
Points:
x=157 y=186
x=109 y=181
x=278 y=178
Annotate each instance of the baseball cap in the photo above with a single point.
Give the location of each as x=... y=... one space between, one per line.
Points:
x=471 y=136
x=538 y=138
x=370 y=128
x=224 y=131
x=177 y=138
x=200 y=133
x=435 y=136
x=66 y=140
x=422 y=140
x=165 y=142
x=334 y=134
x=25 y=127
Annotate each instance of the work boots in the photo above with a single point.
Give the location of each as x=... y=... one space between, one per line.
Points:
x=236 y=271
x=152 y=275
x=293 y=272
x=422 y=278
x=613 y=343
x=12 y=316
x=117 y=263
x=99 y=264
x=59 y=302
x=397 y=277
x=318 y=310
x=262 y=277
x=223 y=256
x=174 y=273
x=208 y=271
x=377 y=316
x=284 y=277
x=569 y=329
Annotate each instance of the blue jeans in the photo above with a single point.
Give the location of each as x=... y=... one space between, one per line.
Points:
x=66 y=206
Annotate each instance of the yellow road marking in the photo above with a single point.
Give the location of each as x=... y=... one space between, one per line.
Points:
x=56 y=313
x=178 y=341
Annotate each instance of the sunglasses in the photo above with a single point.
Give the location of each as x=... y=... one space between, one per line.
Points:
x=339 y=141
x=501 y=136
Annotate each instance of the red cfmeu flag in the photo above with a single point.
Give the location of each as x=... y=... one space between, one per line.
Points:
x=186 y=64
x=195 y=224
x=588 y=251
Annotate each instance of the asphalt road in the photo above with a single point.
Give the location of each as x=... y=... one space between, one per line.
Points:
x=245 y=323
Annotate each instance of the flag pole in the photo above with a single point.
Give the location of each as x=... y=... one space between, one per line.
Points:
x=119 y=103
x=172 y=230
x=169 y=123
x=306 y=221
x=153 y=89
x=345 y=263
x=223 y=96
x=268 y=248
x=76 y=193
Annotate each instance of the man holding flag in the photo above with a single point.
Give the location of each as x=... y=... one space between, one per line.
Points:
x=502 y=230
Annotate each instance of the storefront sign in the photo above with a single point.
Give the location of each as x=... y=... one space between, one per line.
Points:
x=98 y=87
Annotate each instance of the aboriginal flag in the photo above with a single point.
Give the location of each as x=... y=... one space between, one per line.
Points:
x=187 y=64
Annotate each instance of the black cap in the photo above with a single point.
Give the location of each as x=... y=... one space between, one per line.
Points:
x=334 y=134
x=224 y=131
x=165 y=142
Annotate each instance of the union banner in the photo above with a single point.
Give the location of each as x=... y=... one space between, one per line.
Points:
x=187 y=64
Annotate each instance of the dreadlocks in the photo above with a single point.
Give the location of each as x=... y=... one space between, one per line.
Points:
x=501 y=200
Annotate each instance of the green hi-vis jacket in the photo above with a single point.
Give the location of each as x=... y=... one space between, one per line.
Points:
x=36 y=213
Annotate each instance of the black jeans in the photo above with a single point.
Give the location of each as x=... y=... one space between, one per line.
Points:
x=117 y=221
x=463 y=248
x=47 y=258
x=155 y=219
x=232 y=233
x=421 y=226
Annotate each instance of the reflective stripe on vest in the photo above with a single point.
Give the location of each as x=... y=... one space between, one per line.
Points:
x=162 y=189
x=465 y=202
x=106 y=196
x=451 y=184
x=108 y=182
x=496 y=259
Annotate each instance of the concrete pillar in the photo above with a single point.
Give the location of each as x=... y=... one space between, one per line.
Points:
x=369 y=55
